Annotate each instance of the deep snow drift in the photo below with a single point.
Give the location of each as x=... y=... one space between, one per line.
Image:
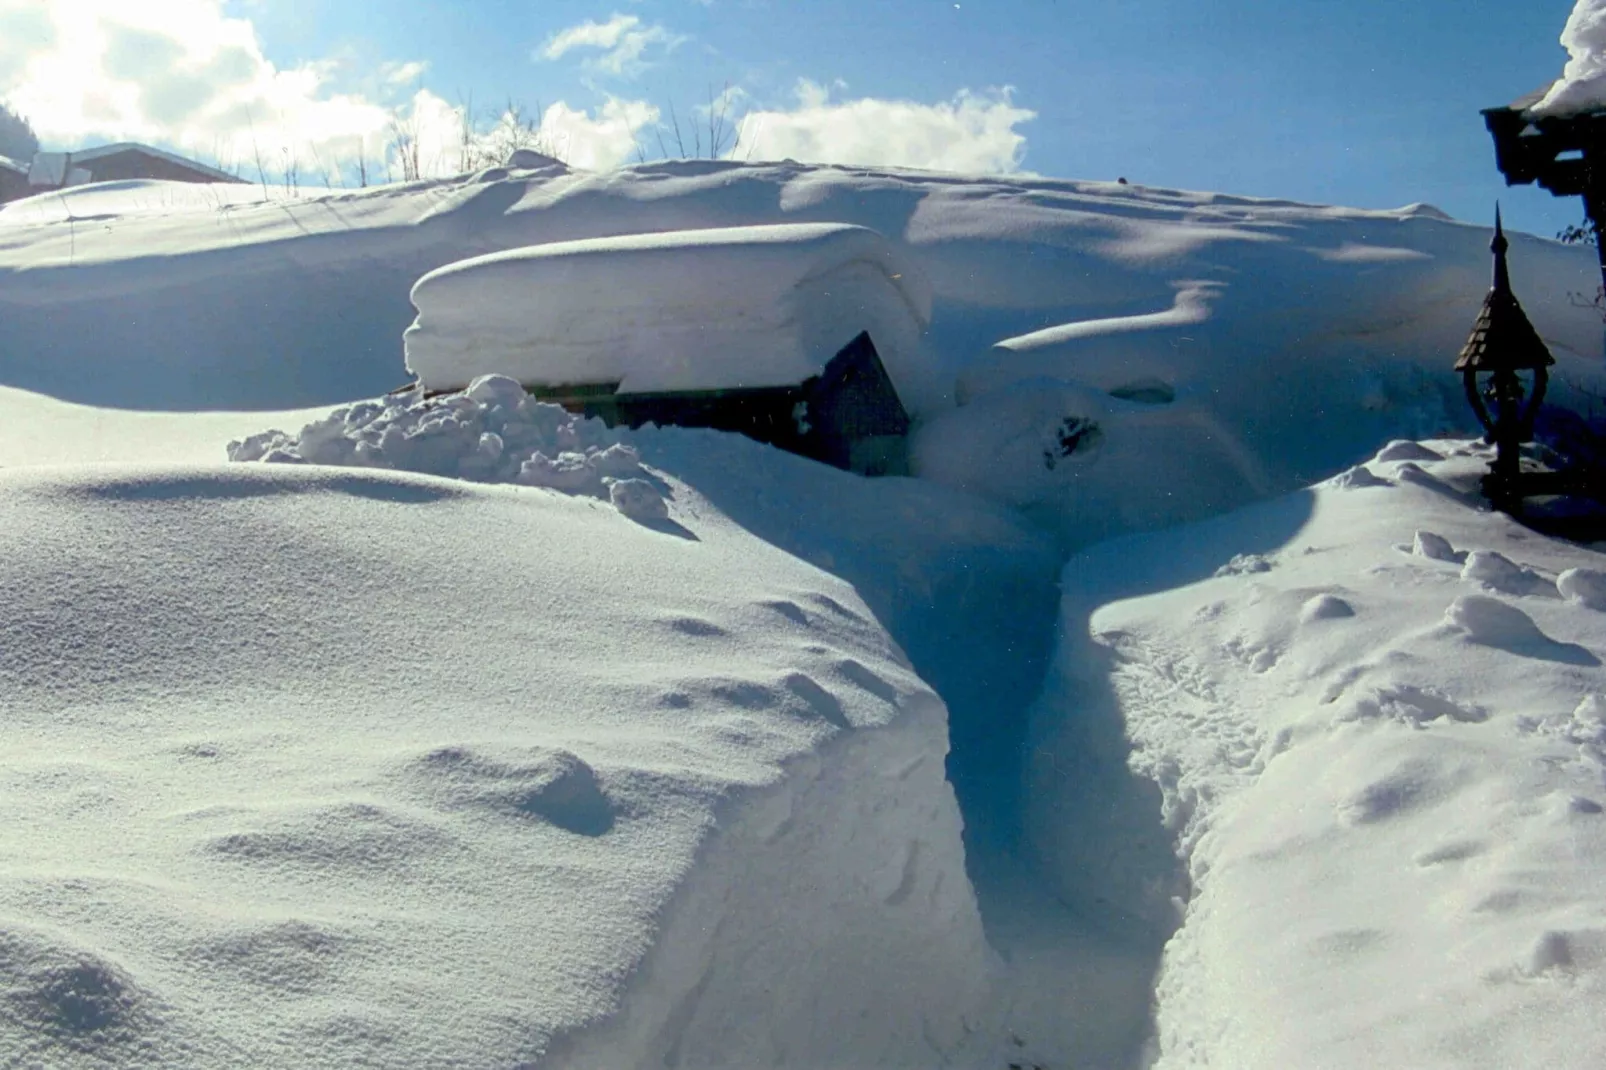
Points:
x=514 y=740
x=311 y=769
x=1258 y=344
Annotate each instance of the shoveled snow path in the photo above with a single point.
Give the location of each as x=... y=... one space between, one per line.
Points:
x=1370 y=718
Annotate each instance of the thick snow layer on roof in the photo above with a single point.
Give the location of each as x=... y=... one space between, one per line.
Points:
x=1582 y=85
x=1373 y=717
x=685 y=310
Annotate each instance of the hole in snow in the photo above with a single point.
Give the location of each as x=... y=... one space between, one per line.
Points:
x=1146 y=392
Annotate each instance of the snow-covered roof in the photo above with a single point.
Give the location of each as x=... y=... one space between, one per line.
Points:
x=9 y=164
x=724 y=308
x=49 y=168
x=88 y=155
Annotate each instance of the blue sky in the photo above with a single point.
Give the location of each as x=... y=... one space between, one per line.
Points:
x=1366 y=102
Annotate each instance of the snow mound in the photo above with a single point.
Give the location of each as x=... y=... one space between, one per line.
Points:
x=1585 y=586
x=1358 y=478
x=524 y=787
x=530 y=160
x=1406 y=450
x=1325 y=607
x=492 y=432
x=684 y=310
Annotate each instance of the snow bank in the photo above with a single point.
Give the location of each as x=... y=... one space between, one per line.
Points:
x=313 y=766
x=1332 y=323
x=1379 y=758
x=687 y=310
x=492 y=432
x=1246 y=389
x=1582 y=85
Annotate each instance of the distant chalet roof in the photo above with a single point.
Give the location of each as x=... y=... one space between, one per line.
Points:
x=9 y=164
x=1502 y=336
x=52 y=168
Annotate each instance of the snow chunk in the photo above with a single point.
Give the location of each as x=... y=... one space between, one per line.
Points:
x=1244 y=565
x=1435 y=547
x=492 y=432
x=1499 y=573
x=1585 y=586
x=684 y=310
x=1492 y=622
x=637 y=499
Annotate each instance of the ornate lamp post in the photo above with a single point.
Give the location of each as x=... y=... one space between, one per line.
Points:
x=1504 y=343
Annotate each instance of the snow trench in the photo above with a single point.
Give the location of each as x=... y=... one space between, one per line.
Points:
x=827 y=922
x=887 y=855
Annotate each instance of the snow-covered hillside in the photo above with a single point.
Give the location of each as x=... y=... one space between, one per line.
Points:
x=1139 y=728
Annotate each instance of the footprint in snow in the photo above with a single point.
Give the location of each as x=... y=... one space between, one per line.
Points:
x=1415 y=706
x=819 y=701
x=547 y=783
x=1410 y=786
x=1454 y=851
x=788 y=609
x=698 y=628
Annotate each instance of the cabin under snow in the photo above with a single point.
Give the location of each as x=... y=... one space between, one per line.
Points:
x=798 y=335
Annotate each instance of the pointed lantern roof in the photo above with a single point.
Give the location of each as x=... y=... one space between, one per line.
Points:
x=1502 y=337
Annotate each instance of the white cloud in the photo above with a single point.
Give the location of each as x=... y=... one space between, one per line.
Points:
x=403 y=73
x=181 y=73
x=599 y=139
x=598 y=142
x=622 y=41
x=970 y=133
x=177 y=72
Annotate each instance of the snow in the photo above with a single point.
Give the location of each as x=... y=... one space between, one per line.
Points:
x=1188 y=708
x=310 y=764
x=491 y=432
x=1383 y=769
x=685 y=310
x=1582 y=85
x=1585 y=586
